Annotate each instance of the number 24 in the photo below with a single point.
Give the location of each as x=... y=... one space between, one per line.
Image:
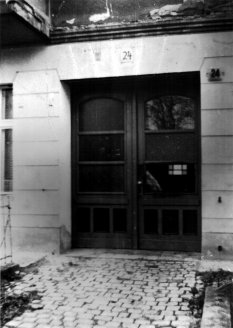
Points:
x=127 y=55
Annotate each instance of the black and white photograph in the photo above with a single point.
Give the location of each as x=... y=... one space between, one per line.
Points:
x=116 y=163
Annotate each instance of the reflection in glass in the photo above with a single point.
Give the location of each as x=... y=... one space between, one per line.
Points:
x=178 y=169
x=160 y=178
x=152 y=182
x=169 y=113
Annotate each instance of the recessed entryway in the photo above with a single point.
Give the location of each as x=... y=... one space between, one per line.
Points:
x=136 y=163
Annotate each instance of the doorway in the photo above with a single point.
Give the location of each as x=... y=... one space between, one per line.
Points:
x=136 y=163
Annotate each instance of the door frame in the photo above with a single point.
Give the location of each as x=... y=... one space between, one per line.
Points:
x=132 y=130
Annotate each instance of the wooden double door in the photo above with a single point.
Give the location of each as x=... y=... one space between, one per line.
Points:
x=136 y=164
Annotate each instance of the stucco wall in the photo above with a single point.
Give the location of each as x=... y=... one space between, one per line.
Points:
x=41 y=134
x=151 y=55
x=42 y=124
x=217 y=159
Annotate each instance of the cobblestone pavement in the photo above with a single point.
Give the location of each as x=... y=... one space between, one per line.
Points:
x=110 y=292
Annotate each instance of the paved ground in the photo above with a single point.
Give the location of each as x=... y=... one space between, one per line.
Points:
x=94 y=289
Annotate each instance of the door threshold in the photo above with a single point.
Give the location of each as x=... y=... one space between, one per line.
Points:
x=132 y=254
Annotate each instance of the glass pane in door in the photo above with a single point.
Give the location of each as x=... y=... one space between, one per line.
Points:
x=169 y=113
x=101 y=178
x=101 y=114
x=101 y=146
x=170 y=147
x=105 y=147
x=170 y=177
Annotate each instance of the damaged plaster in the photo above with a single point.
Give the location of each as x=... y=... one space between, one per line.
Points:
x=188 y=8
x=73 y=14
x=102 y=17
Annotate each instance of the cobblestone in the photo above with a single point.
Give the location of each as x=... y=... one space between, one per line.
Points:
x=112 y=292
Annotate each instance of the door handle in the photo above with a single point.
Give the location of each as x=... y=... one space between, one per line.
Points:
x=140 y=187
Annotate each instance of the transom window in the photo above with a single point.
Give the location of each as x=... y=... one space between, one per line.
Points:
x=169 y=113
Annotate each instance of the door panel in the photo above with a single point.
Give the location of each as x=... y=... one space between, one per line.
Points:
x=136 y=163
x=101 y=160
x=168 y=152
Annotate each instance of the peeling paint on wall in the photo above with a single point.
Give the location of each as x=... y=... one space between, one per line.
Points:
x=102 y=11
x=82 y=13
x=101 y=17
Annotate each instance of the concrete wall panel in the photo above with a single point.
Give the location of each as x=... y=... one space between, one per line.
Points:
x=217 y=122
x=37 y=221
x=217 y=225
x=211 y=208
x=36 y=153
x=217 y=150
x=37 y=129
x=36 y=239
x=36 y=202
x=217 y=177
x=36 y=178
x=217 y=96
x=28 y=82
x=36 y=105
x=211 y=241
